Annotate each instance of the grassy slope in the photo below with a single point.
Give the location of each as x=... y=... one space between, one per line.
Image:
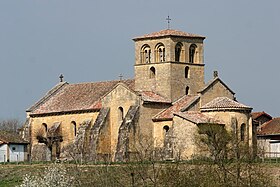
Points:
x=12 y=174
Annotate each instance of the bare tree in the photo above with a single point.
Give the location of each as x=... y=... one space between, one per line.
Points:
x=10 y=125
x=231 y=156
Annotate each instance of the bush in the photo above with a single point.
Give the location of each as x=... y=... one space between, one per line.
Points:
x=53 y=176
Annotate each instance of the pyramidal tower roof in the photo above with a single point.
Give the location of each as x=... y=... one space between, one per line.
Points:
x=168 y=32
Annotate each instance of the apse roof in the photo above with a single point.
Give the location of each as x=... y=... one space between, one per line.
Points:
x=224 y=103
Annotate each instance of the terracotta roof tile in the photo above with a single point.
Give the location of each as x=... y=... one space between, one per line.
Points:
x=177 y=106
x=168 y=32
x=6 y=137
x=223 y=103
x=271 y=127
x=197 y=117
x=76 y=97
x=149 y=96
x=256 y=115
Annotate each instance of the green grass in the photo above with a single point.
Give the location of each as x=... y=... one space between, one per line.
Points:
x=11 y=174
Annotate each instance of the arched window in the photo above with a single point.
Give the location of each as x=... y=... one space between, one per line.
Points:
x=74 y=127
x=121 y=115
x=152 y=73
x=187 y=69
x=166 y=128
x=178 y=51
x=192 y=51
x=45 y=128
x=145 y=54
x=160 y=53
x=187 y=90
x=242 y=132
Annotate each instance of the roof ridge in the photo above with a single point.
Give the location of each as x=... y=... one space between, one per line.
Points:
x=106 y=81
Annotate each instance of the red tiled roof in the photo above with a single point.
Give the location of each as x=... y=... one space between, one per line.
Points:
x=149 y=96
x=256 y=115
x=177 y=106
x=223 y=103
x=197 y=117
x=271 y=127
x=76 y=97
x=168 y=32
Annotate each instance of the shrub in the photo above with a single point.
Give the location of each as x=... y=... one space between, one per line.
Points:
x=53 y=176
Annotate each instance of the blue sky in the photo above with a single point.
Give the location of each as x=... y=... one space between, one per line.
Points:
x=90 y=40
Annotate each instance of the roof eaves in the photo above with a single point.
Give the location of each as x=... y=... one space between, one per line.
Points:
x=161 y=119
x=165 y=36
x=64 y=112
x=226 y=109
x=270 y=134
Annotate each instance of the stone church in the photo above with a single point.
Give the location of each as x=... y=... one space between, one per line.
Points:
x=162 y=107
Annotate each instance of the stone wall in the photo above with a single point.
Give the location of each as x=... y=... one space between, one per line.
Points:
x=120 y=98
x=184 y=143
x=160 y=132
x=170 y=44
x=233 y=121
x=216 y=90
x=169 y=80
x=65 y=120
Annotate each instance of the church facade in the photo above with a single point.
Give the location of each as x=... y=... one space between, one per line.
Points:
x=162 y=107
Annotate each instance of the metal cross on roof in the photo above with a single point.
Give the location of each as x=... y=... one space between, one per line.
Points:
x=61 y=78
x=168 y=22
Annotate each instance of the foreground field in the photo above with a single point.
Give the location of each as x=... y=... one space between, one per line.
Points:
x=137 y=174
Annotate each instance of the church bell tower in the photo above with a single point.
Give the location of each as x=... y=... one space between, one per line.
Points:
x=169 y=63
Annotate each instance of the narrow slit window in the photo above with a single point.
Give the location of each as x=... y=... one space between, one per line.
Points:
x=74 y=127
x=152 y=73
x=187 y=71
x=121 y=114
x=187 y=90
